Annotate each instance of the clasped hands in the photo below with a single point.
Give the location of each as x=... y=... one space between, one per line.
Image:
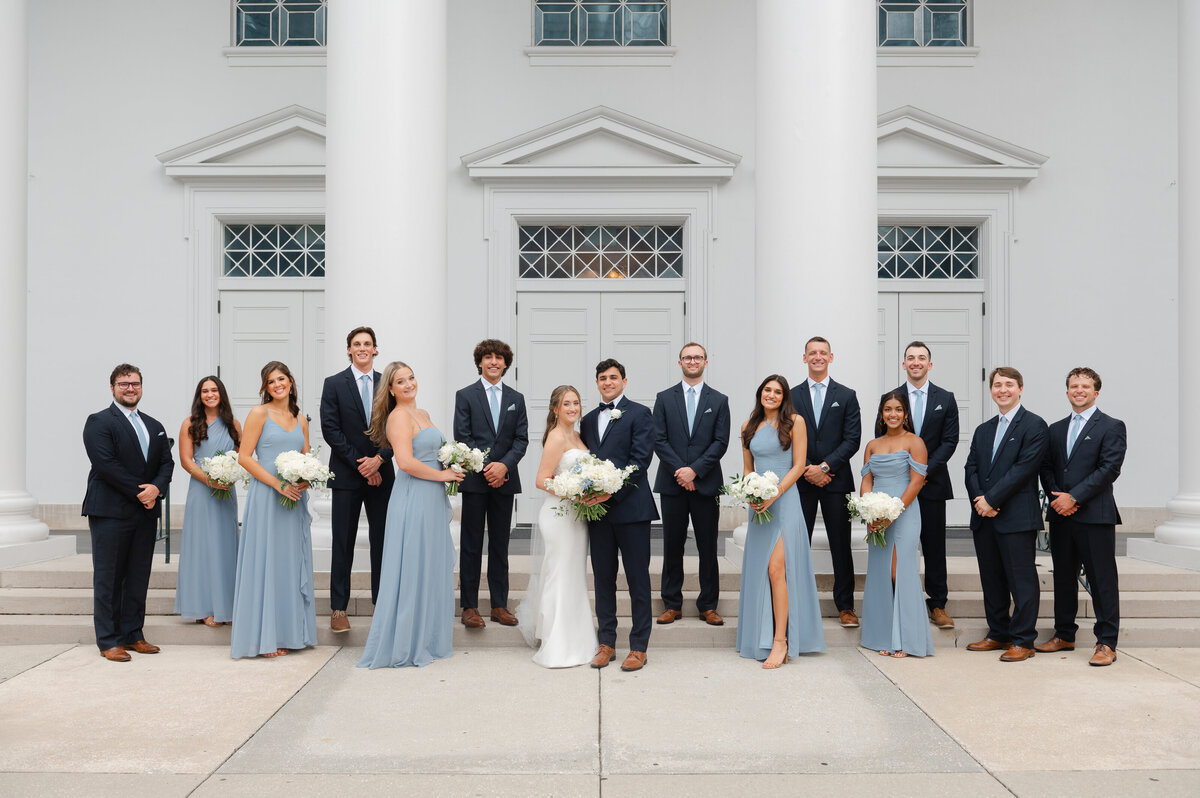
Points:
x=1064 y=503
x=148 y=495
x=292 y=492
x=984 y=509
x=816 y=476
x=496 y=474
x=369 y=468
x=686 y=477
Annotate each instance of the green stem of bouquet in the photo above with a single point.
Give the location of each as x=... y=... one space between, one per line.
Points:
x=451 y=488
x=761 y=517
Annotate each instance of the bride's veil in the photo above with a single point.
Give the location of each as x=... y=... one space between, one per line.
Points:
x=527 y=611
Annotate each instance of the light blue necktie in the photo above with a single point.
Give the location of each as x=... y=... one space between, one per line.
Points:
x=1076 y=425
x=818 y=401
x=141 y=435
x=1001 y=428
x=366 y=395
x=495 y=401
x=691 y=407
x=918 y=411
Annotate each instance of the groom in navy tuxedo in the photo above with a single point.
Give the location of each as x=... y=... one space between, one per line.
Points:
x=489 y=415
x=935 y=419
x=362 y=471
x=1001 y=476
x=1082 y=461
x=131 y=468
x=621 y=431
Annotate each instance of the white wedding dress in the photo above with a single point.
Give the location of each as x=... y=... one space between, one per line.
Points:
x=556 y=613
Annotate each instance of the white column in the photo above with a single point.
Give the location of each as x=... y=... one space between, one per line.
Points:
x=22 y=536
x=386 y=173
x=816 y=203
x=1177 y=542
x=386 y=186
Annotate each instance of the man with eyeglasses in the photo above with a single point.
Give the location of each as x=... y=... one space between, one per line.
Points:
x=691 y=434
x=131 y=468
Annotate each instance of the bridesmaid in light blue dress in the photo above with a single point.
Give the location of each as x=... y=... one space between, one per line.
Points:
x=414 y=613
x=778 y=612
x=273 y=607
x=208 y=554
x=895 y=620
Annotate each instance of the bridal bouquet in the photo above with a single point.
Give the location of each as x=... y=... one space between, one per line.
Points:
x=294 y=468
x=589 y=477
x=461 y=459
x=872 y=507
x=754 y=489
x=223 y=467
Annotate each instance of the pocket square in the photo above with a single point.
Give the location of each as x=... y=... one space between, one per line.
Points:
x=512 y=408
x=835 y=404
x=161 y=434
x=709 y=410
x=1086 y=437
x=939 y=407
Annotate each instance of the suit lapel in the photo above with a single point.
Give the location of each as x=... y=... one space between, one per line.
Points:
x=827 y=402
x=1083 y=433
x=680 y=401
x=126 y=427
x=481 y=399
x=618 y=406
x=802 y=401
x=701 y=405
x=1008 y=433
x=355 y=388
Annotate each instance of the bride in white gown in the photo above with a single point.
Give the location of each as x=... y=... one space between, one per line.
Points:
x=556 y=613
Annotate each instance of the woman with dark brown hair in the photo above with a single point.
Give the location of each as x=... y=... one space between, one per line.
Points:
x=273 y=607
x=208 y=551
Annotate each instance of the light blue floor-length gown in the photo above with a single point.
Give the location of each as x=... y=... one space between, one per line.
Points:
x=414 y=614
x=208 y=551
x=896 y=619
x=756 y=619
x=273 y=603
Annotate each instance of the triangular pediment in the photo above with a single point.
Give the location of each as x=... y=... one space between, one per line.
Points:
x=915 y=143
x=288 y=142
x=601 y=142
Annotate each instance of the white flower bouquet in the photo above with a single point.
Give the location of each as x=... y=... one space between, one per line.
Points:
x=589 y=477
x=752 y=489
x=223 y=467
x=294 y=468
x=461 y=459
x=872 y=507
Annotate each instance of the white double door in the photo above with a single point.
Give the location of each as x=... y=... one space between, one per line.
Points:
x=951 y=324
x=257 y=327
x=561 y=336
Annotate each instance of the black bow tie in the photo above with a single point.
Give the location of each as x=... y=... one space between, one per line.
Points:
x=606 y=405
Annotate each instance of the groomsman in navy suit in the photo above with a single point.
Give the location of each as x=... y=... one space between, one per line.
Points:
x=131 y=469
x=1082 y=461
x=362 y=472
x=622 y=431
x=1001 y=475
x=691 y=434
x=935 y=419
x=834 y=423
x=489 y=415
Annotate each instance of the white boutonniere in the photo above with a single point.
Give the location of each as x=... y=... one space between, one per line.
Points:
x=615 y=415
x=512 y=408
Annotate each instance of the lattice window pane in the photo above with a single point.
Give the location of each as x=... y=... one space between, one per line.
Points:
x=638 y=252
x=922 y=23
x=936 y=252
x=591 y=23
x=279 y=23
x=274 y=250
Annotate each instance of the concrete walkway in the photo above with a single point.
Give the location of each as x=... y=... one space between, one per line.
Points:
x=696 y=722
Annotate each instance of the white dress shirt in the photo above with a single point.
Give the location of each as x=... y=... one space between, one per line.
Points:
x=606 y=415
x=912 y=400
x=1010 y=415
x=135 y=420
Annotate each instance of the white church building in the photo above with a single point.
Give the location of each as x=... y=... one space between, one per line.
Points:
x=200 y=186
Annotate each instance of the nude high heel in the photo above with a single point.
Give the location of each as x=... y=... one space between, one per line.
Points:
x=767 y=665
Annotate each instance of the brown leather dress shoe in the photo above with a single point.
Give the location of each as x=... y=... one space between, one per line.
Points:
x=142 y=647
x=472 y=619
x=940 y=618
x=669 y=616
x=338 y=621
x=115 y=654
x=987 y=644
x=1016 y=654
x=604 y=655
x=1104 y=655
x=634 y=662
x=502 y=616
x=848 y=619
x=1055 y=644
x=711 y=618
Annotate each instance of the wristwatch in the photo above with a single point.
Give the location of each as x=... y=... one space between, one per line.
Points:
x=824 y=468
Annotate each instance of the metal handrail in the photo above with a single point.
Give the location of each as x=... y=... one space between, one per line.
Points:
x=164 y=518
x=1043 y=542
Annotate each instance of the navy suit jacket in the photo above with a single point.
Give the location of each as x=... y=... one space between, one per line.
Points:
x=473 y=426
x=836 y=439
x=939 y=430
x=629 y=439
x=701 y=449
x=118 y=466
x=343 y=426
x=1088 y=474
x=1009 y=484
